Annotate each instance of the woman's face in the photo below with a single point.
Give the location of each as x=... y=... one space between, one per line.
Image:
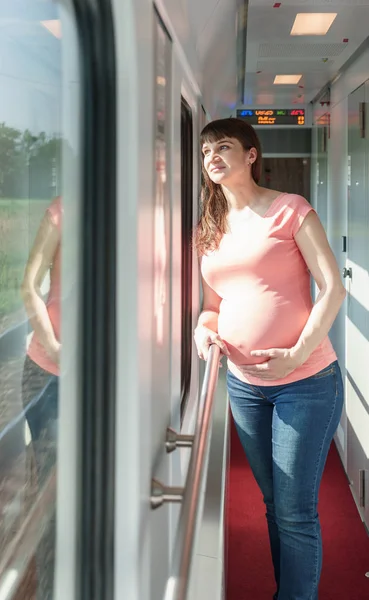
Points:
x=226 y=160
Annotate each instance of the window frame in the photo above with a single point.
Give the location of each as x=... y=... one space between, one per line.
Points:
x=187 y=215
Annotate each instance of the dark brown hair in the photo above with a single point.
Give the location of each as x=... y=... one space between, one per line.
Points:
x=213 y=221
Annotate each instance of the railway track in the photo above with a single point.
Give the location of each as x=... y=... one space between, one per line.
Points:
x=27 y=498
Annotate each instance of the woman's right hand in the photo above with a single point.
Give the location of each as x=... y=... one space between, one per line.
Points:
x=204 y=337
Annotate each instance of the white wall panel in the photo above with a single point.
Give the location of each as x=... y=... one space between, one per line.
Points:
x=135 y=170
x=346 y=83
x=337 y=204
x=337 y=226
x=351 y=79
x=147 y=395
x=207 y=43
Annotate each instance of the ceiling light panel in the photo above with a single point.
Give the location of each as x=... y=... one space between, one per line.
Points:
x=312 y=23
x=286 y=79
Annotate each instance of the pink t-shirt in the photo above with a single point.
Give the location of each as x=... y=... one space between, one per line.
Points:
x=262 y=278
x=36 y=351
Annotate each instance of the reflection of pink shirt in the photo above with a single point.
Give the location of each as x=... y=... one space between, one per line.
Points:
x=264 y=283
x=36 y=351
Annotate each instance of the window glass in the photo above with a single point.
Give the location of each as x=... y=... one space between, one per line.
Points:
x=161 y=228
x=38 y=150
x=162 y=208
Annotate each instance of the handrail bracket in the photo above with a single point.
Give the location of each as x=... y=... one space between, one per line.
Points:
x=177 y=440
x=161 y=494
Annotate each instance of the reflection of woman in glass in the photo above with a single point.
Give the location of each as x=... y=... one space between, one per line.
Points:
x=41 y=368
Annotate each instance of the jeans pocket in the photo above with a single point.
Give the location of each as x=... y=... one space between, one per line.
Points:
x=325 y=372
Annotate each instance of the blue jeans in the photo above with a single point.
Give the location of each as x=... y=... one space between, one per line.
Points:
x=40 y=400
x=286 y=431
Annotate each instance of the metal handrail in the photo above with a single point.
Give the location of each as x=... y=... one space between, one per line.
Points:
x=178 y=584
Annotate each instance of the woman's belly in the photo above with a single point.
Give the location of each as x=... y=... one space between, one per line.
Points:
x=262 y=322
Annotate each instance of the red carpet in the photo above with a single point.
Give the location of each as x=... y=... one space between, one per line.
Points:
x=345 y=541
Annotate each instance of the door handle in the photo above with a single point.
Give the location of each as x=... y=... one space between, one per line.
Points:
x=347 y=272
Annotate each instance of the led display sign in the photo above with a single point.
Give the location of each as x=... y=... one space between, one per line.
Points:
x=273 y=116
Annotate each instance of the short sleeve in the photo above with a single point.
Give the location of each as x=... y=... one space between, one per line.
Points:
x=54 y=212
x=300 y=207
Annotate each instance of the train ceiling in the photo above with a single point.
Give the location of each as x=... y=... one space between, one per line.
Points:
x=271 y=50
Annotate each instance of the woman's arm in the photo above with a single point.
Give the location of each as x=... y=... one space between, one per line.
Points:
x=320 y=260
x=210 y=308
x=206 y=332
x=39 y=262
x=314 y=247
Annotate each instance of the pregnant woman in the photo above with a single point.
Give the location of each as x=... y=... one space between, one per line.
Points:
x=258 y=248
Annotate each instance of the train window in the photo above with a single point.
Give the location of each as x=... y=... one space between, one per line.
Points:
x=39 y=149
x=162 y=199
x=187 y=227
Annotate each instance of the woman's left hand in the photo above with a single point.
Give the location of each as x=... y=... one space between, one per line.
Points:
x=280 y=363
